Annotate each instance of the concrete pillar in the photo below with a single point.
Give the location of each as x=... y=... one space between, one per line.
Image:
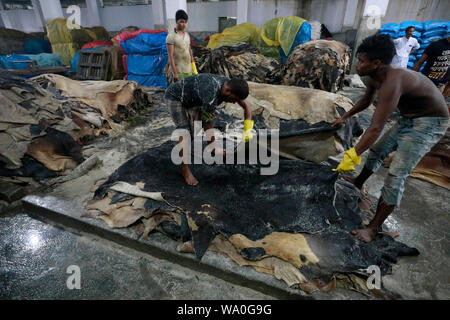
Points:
x=51 y=9
x=172 y=6
x=93 y=12
x=350 y=14
x=365 y=30
x=38 y=13
x=159 y=14
x=4 y=17
x=242 y=11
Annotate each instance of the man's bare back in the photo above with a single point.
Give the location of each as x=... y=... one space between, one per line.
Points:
x=419 y=96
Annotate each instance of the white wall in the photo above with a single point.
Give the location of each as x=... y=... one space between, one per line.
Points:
x=116 y=18
x=23 y=20
x=260 y=11
x=417 y=10
x=204 y=16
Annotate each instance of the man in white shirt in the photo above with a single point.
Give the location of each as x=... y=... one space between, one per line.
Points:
x=404 y=47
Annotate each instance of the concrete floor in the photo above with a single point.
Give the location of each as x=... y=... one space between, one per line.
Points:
x=34 y=257
x=422 y=222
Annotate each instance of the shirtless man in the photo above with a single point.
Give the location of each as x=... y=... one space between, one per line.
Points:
x=424 y=120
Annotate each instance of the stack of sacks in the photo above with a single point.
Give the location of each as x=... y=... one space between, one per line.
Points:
x=14 y=41
x=425 y=32
x=432 y=31
x=144 y=56
x=391 y=29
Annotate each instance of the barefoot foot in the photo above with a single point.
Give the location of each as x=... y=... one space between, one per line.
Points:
x=189 y=177
x=365 y=235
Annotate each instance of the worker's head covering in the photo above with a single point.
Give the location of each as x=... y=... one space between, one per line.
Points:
x=181 y=14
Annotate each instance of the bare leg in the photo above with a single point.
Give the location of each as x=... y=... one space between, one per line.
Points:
x=360 y=180
x=186 y=170
x=383 y=211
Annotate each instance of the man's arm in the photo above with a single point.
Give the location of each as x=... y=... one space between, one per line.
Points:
x=192 y=55
x=247 y=110
x=361 y=105
x=416 y=47
x=446 y=92
x=170 y=50
x=388 y=98
x=420 y=62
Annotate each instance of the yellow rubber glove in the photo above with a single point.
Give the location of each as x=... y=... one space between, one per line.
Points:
x=248 y=126
x=349 y=161
x=194 y=68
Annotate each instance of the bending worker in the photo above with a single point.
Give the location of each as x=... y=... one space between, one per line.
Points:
x=424 y=120
x=196 y=98
x=178 y=42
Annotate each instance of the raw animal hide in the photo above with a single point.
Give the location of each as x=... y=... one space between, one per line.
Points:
x=318 y=64
x=302 y=215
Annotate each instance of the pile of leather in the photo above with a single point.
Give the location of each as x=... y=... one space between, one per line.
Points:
x=294 y=225
x=34 y=126
x=318 y=64
x=242 y=60
x=46 y=120
x=303 y=116
x=97 y=107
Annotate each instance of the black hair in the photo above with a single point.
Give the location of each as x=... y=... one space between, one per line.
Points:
x=181 y=14
x=239 y=87
x=379 y=46
x=410 y=28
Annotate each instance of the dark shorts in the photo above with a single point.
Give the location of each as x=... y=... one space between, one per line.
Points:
x=184 y=118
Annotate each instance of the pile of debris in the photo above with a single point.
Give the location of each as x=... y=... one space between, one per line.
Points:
x=44 y=121
x=242 y=60
x=318 y=64
x=294 y=224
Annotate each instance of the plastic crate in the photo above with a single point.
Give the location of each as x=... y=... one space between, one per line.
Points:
x=94 y=65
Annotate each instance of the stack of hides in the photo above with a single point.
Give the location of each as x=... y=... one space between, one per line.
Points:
x=45 y=120
x=302 y=115
x=239 y=61
x=145 y=56
x=97 y=107
x=34 y=124
x=294 y=224
x=15 y=41
x=319 y=64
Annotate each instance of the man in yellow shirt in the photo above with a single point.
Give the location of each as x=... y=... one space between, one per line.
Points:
x=181 y=60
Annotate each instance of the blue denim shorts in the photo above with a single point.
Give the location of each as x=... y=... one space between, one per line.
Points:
x=412 y=139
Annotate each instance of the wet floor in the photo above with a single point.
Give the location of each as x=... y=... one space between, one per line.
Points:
x=36 y=256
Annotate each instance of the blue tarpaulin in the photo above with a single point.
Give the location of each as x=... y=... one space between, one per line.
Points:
x=303 y=36
x=146 y=57
x=9 y=61
x=37 y=46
